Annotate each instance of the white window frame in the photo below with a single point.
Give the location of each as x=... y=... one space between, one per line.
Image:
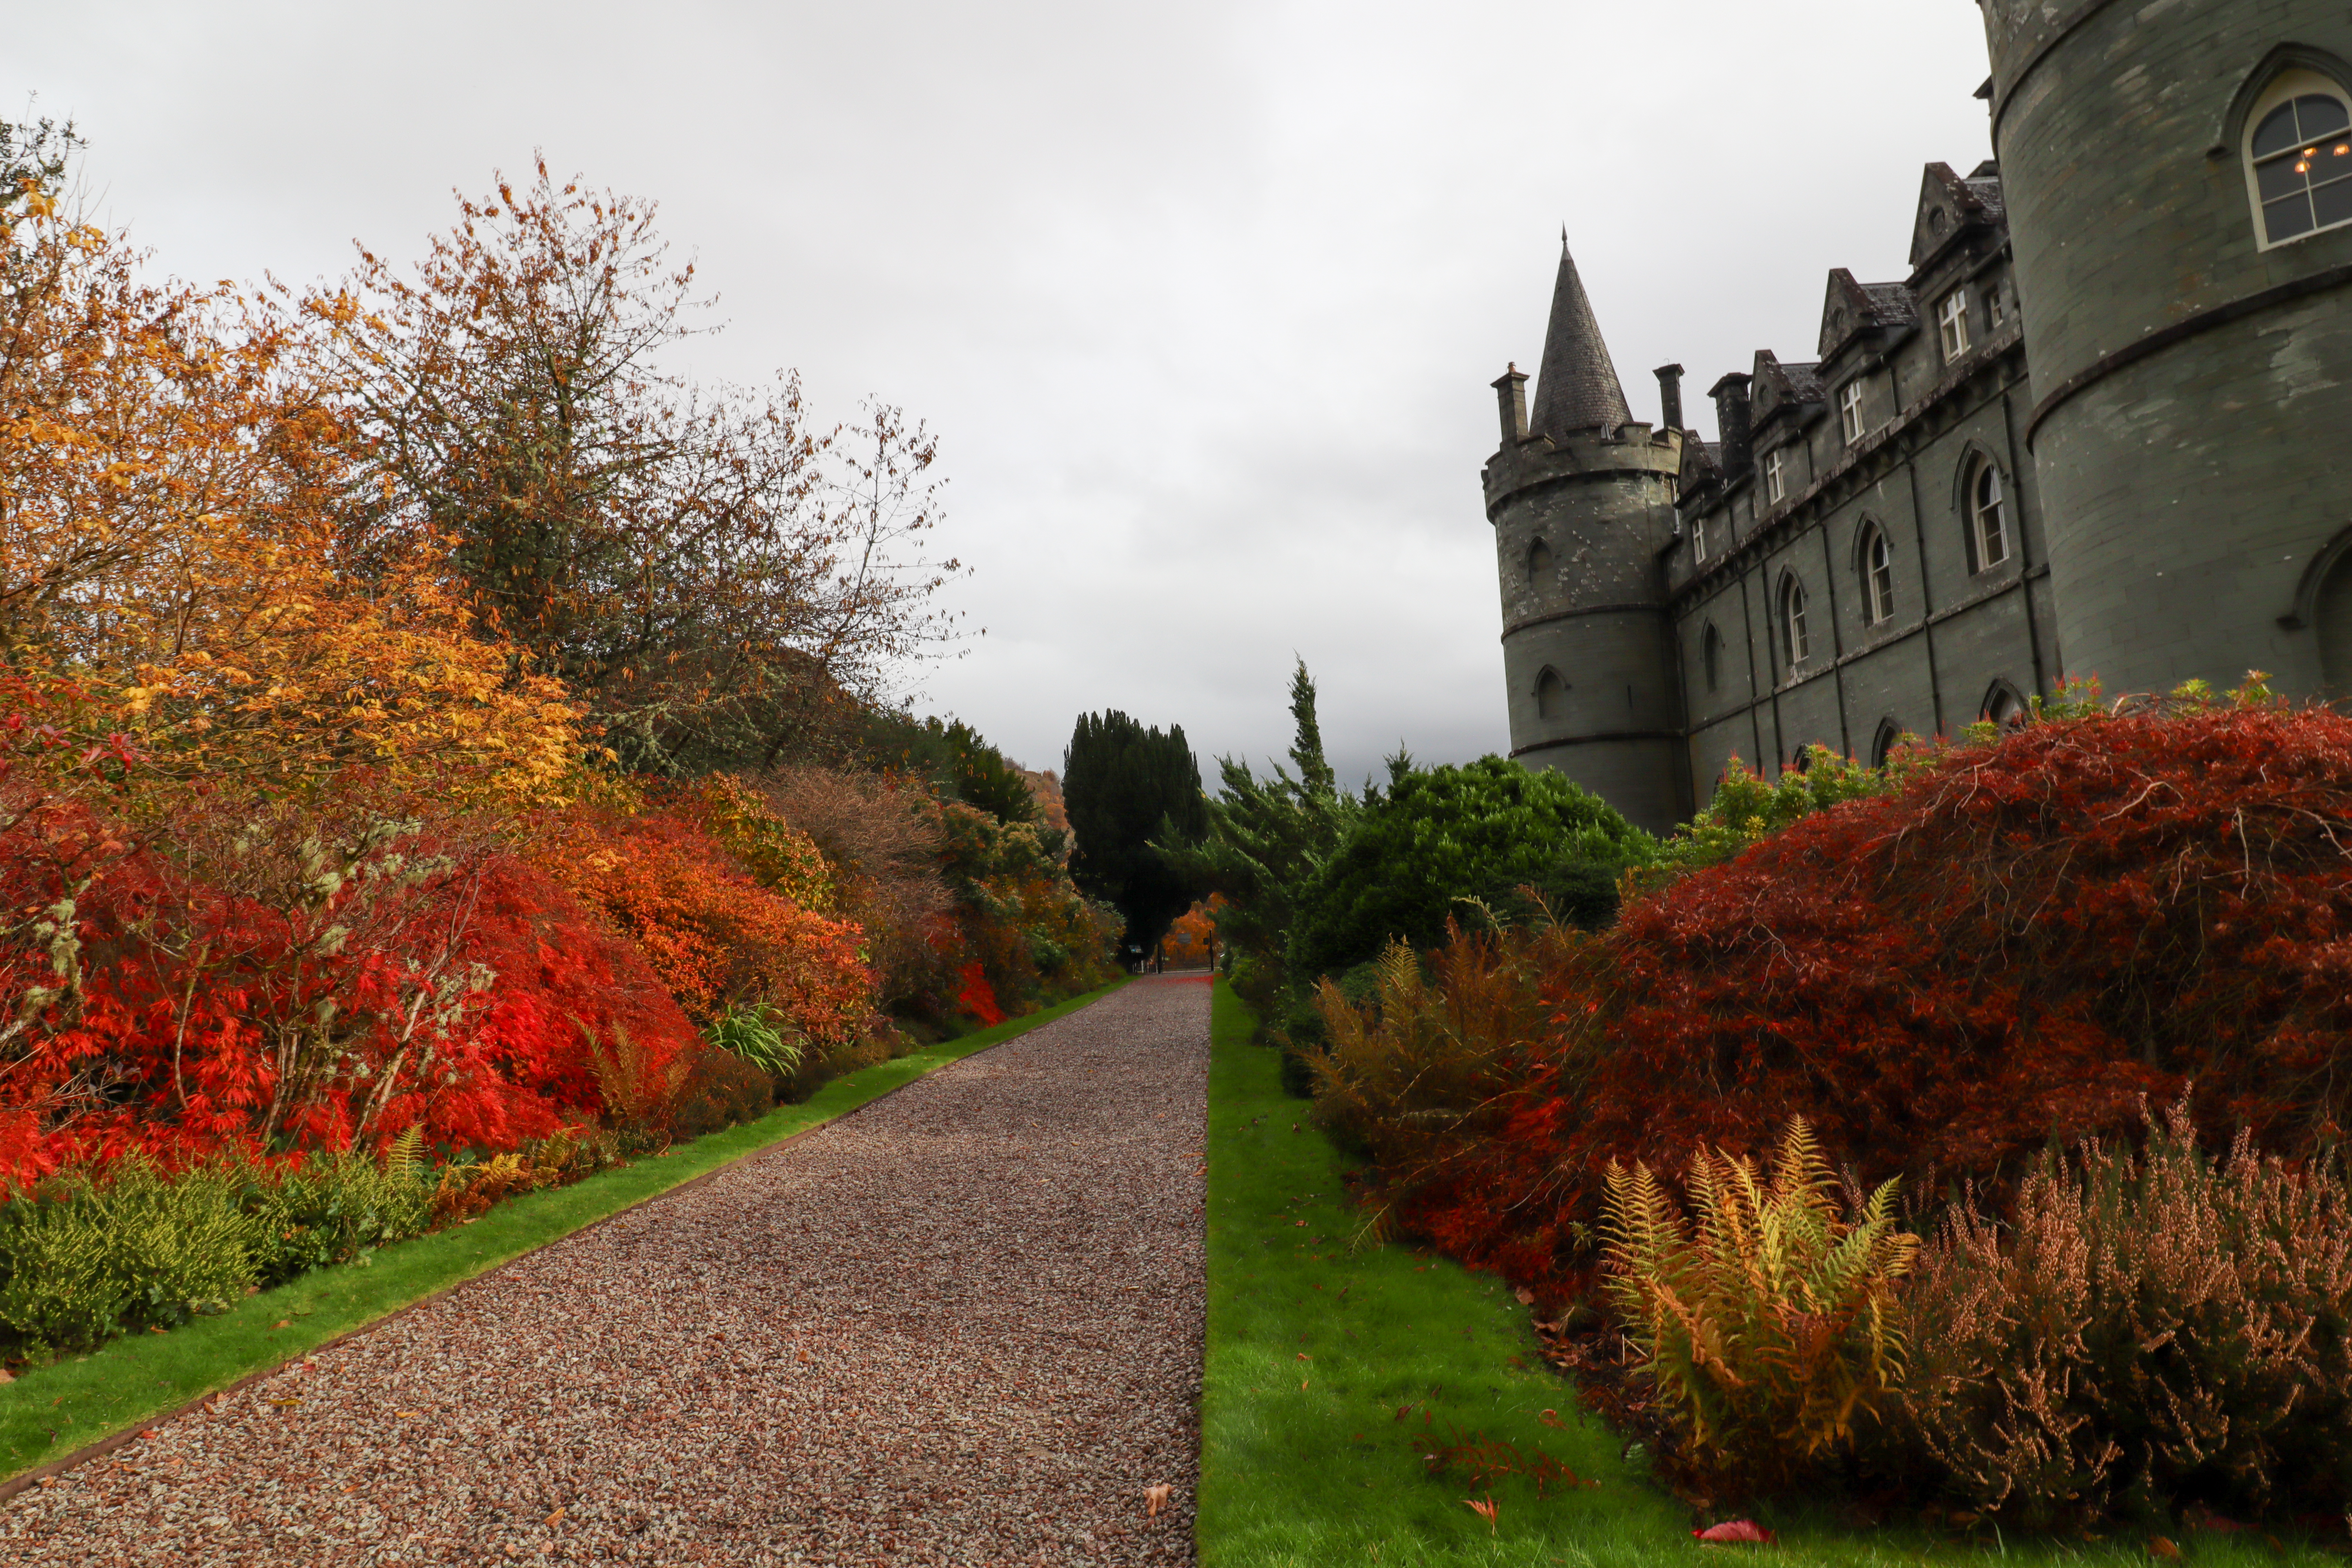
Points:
x=1698 y=538
x=1996 y=312
x=1776 y=474
x=1878 y=576
x=1991 y=541
x=1850 y=410
x=2284 y=88
x=1793 y=640
x=1952 y=324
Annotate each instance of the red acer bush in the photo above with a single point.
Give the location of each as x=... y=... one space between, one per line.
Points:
x=2013 y=946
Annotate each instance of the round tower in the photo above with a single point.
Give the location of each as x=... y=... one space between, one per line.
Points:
x=1581 y=500
x=2179 y=180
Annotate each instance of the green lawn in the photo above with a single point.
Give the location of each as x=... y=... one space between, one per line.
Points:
x=48 y=1413
x=1314 y=1347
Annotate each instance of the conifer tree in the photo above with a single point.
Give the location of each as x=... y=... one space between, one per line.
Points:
x=1127 y=786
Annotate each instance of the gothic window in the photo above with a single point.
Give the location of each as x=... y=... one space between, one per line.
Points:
x=1551 y=694
x=1792 y=621
x=1776 y=474
x=1710 y=650
x=1883 y=744
x=2299 y=157
x=1850 y=410
x=2004 y=706
x=1538 y=563
x=1877 y=575
x=1952 y=323
x=1988 y=518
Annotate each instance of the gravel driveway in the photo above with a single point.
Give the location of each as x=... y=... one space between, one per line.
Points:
x=963 y=1325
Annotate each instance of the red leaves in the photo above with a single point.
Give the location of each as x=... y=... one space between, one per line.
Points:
x=978 y=998
x=1735 y=1533
x=2020 y=942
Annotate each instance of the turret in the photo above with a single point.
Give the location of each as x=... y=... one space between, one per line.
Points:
x=1581 y=500
x=2178 y=187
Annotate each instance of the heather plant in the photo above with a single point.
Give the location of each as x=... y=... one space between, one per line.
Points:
x=1766 y=1316
x=86 y=1257
x=2144 y=1331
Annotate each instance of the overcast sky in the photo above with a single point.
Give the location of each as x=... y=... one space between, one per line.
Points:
x=1202 y=300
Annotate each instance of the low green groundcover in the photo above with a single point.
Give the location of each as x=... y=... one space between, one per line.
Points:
x=48 y=1413
x=1333 y=1367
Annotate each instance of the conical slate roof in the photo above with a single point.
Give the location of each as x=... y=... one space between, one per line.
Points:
x=1576 y=388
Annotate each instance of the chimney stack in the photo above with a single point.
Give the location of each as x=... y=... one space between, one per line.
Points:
x=1731 y=396
x=1670 y=395
x=1511 y=400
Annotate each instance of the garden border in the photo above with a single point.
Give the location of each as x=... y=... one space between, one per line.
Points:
x=132 y=1432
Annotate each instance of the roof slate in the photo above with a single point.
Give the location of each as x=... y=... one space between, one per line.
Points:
x=1576 y=388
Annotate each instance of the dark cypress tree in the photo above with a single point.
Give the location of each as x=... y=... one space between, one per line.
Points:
x=1125 y=785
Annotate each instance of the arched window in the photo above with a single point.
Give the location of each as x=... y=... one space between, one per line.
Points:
x=1883 y=744
x=1710 y=648
x=2299 y=157
x=1551 y=694
x=1792 y=621
x=1878 y=562
x=1538 y=563
x=1988 y=518
x=2005 y=706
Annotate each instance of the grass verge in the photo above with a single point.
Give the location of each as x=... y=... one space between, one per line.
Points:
x=1315 y=1347
x=50 y=1412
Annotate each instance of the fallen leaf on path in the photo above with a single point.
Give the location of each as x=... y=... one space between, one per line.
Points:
x=555 y=1518
x=285 y=1404
x=1735 y=1533
x=404 y=1415
x=804 y=1355
x=1155 y=1498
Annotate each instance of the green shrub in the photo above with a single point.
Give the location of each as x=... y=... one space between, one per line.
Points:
x=1766 y=1319
x=761 y=1035
x=333 y=1208
x=1441 y=836
x=2146 y=1330
x=82 y=1260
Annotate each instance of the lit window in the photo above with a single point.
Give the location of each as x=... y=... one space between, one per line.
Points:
x=1878 y=576
x=2300 y=156
x=1850 y=409
x=1792 y=622
x=1551 y=694
x=1989 y=527
x=1776 y=474
x=1538 y=563
x=1952 y=319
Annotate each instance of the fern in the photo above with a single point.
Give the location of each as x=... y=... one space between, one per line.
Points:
x=1762 y=1315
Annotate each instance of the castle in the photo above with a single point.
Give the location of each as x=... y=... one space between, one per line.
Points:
x=2104 y=428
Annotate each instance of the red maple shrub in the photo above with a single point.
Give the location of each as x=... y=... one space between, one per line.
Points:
x=2015 y=946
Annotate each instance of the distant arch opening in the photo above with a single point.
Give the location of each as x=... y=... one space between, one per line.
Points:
x=1710 y=653
x=1883 y=744
x=2005 y=706
x=1551 y=694
x=2331 y=618
x=1538 y=563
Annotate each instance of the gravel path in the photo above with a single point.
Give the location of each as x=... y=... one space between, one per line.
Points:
x=961 y=1326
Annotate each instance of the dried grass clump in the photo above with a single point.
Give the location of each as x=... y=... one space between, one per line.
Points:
x=2145 y=1332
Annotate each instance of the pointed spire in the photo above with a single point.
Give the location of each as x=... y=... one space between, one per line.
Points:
x=1578 y=388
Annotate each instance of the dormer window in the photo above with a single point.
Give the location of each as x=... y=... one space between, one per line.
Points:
x=2299 y=157
x=1776 y=474
x=1952 y=323
x=1850 y=410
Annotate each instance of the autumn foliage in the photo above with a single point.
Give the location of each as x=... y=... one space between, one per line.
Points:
x=2017 y=943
